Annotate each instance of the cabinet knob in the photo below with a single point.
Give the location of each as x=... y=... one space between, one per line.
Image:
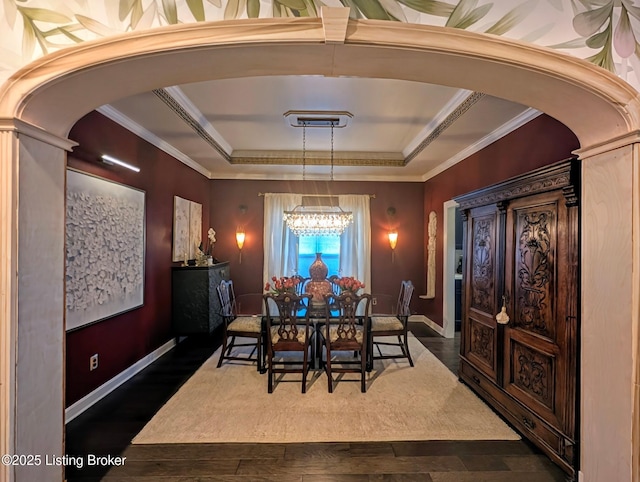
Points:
x=503 y=317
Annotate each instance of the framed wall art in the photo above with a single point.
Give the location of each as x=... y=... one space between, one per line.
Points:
x=105 y=249
x=187 y=228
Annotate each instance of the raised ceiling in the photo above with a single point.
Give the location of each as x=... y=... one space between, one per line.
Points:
x=396 y=130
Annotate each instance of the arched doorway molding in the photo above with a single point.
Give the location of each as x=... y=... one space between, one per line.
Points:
x=40 y=103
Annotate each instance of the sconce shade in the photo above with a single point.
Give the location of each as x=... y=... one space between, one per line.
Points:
x=393 y=238
x=240 y=235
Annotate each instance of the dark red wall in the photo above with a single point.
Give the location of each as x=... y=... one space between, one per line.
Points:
x=123 y=340
x=541 y=142
x=407 y=198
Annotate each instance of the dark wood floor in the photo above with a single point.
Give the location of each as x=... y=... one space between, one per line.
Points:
x=108 y=427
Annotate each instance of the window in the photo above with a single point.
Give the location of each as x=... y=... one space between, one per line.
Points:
x=329 y=246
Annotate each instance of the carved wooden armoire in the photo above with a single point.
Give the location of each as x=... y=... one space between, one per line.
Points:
x=521 y=250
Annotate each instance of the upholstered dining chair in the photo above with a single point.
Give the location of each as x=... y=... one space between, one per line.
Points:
x=238 y=326
x=395 y=325
x=345 y=331
x=288 y=330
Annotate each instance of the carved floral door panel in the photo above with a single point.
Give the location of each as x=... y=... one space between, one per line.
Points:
x=535 y=361
x=480 y=337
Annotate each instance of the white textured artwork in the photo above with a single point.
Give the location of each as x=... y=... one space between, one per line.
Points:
x=105 y=240
x=180 y=229
x=187 y=228
x=195 y=228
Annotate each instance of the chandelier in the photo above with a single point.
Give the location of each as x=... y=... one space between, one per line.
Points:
x=309 y=218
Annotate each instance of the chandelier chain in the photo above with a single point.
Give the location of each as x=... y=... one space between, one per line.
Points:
x=304 y=150
x=332 y=151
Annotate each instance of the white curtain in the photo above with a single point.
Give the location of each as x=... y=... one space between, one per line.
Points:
x=355 y=244
x=280 y=244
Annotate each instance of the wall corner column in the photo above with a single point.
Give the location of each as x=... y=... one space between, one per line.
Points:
x=610 y=282
x=32 y=204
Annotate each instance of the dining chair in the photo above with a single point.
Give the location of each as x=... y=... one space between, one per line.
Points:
x=288 y=330
x=238 y=326
x=345 y=331
x=392 y=325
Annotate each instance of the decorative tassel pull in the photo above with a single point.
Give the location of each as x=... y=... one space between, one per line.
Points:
x=502 y=317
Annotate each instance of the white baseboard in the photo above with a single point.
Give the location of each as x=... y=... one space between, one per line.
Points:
x=430 y=323
x=580 y=476
x=102 y=391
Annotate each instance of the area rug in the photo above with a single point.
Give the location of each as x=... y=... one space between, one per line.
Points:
x=231 y=404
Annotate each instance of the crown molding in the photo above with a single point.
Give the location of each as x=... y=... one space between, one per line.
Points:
x=132 y=126
x=518 y=121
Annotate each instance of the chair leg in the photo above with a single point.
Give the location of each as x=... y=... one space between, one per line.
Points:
x=406 y=346
x=305 y=369
x=270 y=374
x=363 y=368
x=224 y=348
x=259 y=361
x=328 y=370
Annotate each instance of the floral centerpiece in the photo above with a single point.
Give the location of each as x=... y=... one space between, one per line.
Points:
x=205 y=251
x=349 y=283
x=281 y=285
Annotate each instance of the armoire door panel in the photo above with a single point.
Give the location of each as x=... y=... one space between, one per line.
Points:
x=482 y=346
x=479 y=342
x=533 y=373
x=533 y=252
x=482 y=292
x=534 y=342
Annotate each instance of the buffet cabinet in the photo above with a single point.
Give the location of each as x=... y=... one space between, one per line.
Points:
x=521 y=252
x=195 y=305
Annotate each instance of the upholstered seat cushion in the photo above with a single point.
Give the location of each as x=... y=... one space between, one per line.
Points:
x=386 y=323
x=302 y=334
x=333 y=334
x=247 y=324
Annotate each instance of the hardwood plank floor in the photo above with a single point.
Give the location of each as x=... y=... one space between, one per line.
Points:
x=108 y=427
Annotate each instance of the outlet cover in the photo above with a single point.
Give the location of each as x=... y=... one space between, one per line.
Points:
x=93 y=362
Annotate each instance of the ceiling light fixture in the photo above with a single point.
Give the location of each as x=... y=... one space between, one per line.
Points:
x=112 y=160
x=323 y=220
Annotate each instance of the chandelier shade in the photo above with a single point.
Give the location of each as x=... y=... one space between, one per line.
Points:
x=319 y=219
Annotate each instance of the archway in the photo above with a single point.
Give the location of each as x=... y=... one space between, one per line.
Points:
x=41 y=102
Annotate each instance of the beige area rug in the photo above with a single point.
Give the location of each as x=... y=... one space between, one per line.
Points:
x=231 y=404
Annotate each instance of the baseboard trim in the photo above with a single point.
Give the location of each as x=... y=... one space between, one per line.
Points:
x=103 y=390
x=430 y=323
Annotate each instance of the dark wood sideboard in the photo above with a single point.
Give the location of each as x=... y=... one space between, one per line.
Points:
x=195 y=306
x=521 y=242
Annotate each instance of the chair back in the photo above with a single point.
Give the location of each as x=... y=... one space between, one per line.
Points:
x=352 y=313
x=226 y=295
x=287 y=312
x=404 y=299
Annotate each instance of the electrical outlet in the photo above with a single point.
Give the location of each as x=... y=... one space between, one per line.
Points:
x=374 y=301
x=93 y=362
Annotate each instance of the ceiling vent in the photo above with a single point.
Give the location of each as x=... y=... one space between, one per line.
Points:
x=319 y=118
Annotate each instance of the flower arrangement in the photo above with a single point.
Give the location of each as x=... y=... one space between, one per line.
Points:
x=349 y=283
x=284 y=284
x=204 y=256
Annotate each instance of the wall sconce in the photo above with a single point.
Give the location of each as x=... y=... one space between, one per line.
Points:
x=392 y=234
x=240 y=237
x=393 y=241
